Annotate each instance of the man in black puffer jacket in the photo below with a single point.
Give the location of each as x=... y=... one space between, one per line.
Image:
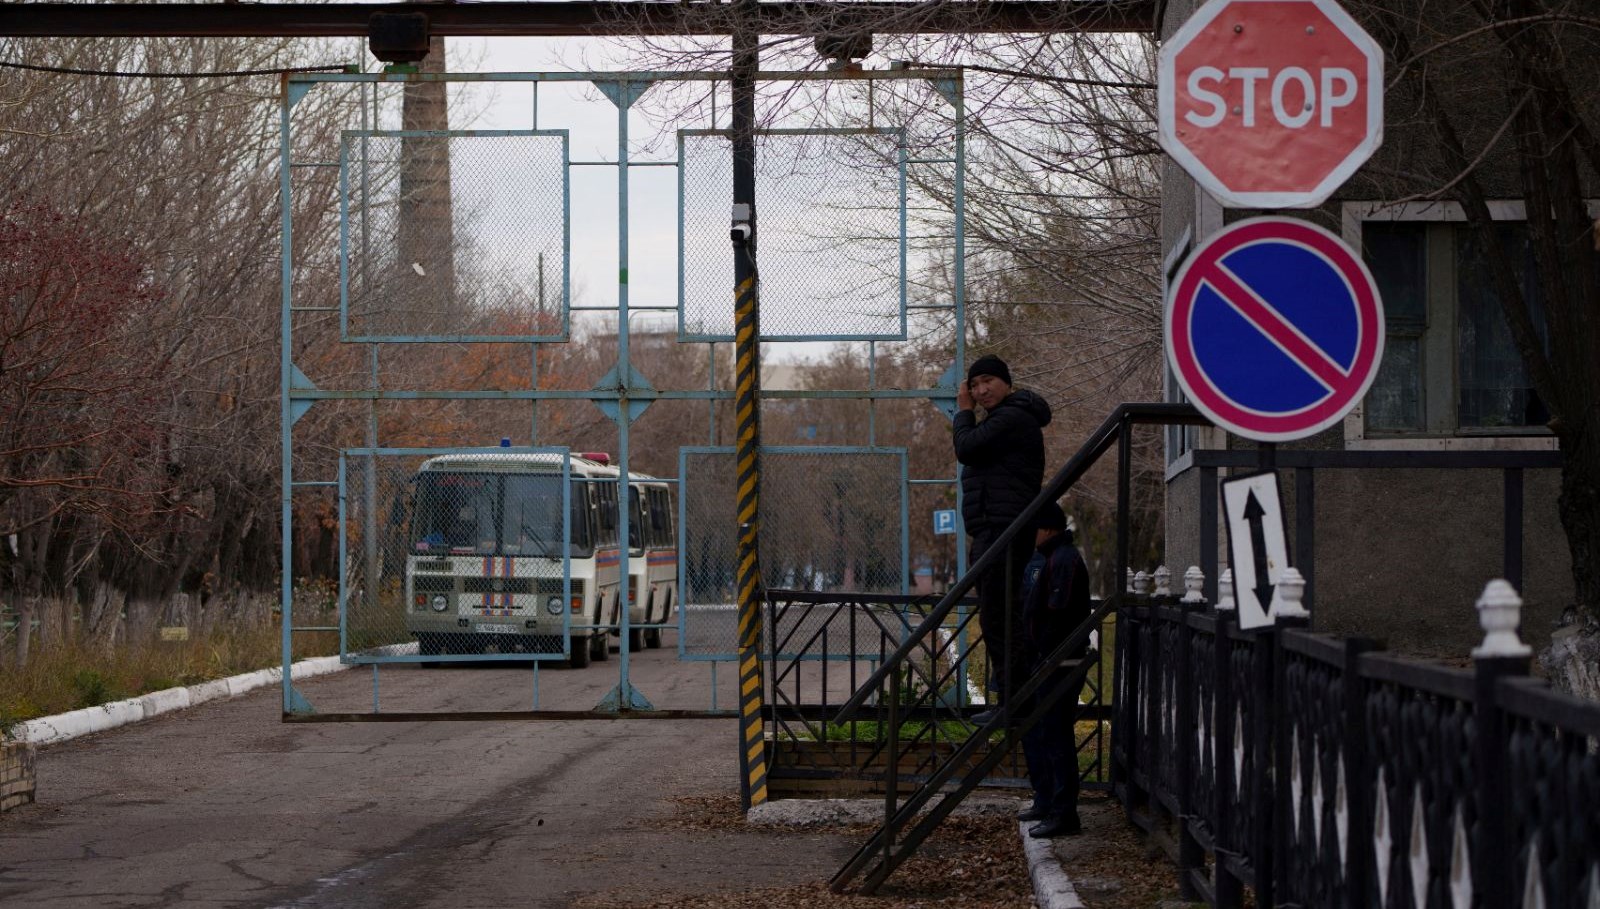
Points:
x=1002 y=468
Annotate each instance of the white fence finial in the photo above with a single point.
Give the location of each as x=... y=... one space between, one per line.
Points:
x=1194 y=585
x=1141 y=583
x=1225 y=590
x=1500 y=615
x=1288 y=599
x=1163 y=577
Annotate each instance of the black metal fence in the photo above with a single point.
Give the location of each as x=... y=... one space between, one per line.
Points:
x=1322 y=771
x=821 y=647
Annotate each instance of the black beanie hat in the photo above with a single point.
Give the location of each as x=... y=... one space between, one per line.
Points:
x=1051 y=517
x=989 y=365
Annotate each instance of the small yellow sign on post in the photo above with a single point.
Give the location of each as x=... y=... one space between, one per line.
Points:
x=175 y=633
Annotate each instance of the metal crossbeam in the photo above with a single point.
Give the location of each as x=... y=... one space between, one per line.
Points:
x=582 y=17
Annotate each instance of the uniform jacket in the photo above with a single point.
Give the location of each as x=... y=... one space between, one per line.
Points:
x=1056 y=597
x=1002 y=461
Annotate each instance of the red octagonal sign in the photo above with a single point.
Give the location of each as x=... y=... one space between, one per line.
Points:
x=1271 y=103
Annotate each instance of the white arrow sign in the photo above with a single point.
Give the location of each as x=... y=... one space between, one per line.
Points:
x=1257 y=549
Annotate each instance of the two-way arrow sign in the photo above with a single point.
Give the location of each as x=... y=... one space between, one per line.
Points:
x=1257 y=549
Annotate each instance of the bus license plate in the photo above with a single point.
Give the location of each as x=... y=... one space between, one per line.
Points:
x=495 y=629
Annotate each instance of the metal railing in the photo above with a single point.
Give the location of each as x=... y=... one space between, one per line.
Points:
x=1309 y=769
x=953 y=774
x=817 y=647
x=1115 y=431
x=1322 y=771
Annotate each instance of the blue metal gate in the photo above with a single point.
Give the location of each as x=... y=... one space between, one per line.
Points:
x=440 y=311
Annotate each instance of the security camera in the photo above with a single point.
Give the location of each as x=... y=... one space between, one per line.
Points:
x=741 y=230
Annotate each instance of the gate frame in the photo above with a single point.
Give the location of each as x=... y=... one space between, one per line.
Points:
x=631 y=395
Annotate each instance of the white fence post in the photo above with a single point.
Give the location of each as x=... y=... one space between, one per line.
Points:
x=1288 y=599
x=1500 y=615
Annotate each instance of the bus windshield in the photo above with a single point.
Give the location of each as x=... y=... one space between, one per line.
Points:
x=488 y=514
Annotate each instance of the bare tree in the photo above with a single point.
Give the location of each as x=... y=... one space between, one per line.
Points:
x=1494 y=100
x=154 y=202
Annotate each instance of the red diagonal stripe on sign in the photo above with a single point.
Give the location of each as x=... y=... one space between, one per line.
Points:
x=1278 y=330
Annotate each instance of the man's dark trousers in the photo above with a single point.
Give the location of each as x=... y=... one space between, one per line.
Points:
x=1051 y=749
x=1008 y=663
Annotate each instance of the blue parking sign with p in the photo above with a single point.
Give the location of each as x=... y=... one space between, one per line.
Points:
x=944 y=521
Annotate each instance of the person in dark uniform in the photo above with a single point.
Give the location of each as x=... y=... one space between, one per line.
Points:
x=1002 y=468
x=1055 y=603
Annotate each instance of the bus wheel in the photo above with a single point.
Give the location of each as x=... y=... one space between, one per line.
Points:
x=652 y=637
x=636 y=639
x=600 y=646
x=579 y=657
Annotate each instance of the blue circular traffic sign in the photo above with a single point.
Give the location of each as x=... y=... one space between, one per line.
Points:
x=1274 y=328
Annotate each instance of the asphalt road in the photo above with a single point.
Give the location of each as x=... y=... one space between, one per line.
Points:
x=224 y=805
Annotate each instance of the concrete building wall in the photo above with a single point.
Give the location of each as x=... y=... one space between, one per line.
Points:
x=1404 y=554
x=1183 y=522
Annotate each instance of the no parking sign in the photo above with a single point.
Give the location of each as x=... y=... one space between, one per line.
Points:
x=1274 y=328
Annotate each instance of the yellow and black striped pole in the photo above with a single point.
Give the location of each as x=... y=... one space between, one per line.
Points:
x=752 y=735
x=747 y=414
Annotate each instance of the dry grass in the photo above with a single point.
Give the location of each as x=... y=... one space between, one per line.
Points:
x=71 y=675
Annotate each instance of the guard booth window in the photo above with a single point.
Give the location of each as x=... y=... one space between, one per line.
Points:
x=1450 y=366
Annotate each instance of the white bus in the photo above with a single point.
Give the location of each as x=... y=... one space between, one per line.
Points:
x=484 y=568
x=484 y=565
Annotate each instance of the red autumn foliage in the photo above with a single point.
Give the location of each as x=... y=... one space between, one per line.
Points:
x=77 y=375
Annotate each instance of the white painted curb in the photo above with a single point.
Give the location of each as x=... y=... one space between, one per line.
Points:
x=63 y=726
x=1052 y=889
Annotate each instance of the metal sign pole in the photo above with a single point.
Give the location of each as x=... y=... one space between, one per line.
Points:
x=747 y=376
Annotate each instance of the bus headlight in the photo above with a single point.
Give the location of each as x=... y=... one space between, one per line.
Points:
x=440 y=602
x=553 y=606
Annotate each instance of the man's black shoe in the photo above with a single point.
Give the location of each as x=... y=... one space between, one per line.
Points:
x=1033 y=813
x=1066 y=825
x=984 y=716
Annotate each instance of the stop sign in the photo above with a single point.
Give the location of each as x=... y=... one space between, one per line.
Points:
x=1270 y=103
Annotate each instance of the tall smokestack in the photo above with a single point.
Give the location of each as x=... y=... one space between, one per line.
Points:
x=426 y=237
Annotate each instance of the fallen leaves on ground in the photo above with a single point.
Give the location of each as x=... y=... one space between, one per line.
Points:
x=1111 y=865
x=704 y=812
x=968 y=862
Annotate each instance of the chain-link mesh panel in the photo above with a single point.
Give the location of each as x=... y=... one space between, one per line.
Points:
x=455 y=555
x=830 y=521
x=458 y=236
x=829 y=208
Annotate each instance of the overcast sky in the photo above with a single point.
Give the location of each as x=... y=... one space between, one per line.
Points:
x=868 y=301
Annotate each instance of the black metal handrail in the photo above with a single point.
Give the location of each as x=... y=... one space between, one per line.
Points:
x=1040 y=690
x=1032 y=692
x=1099 y=442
